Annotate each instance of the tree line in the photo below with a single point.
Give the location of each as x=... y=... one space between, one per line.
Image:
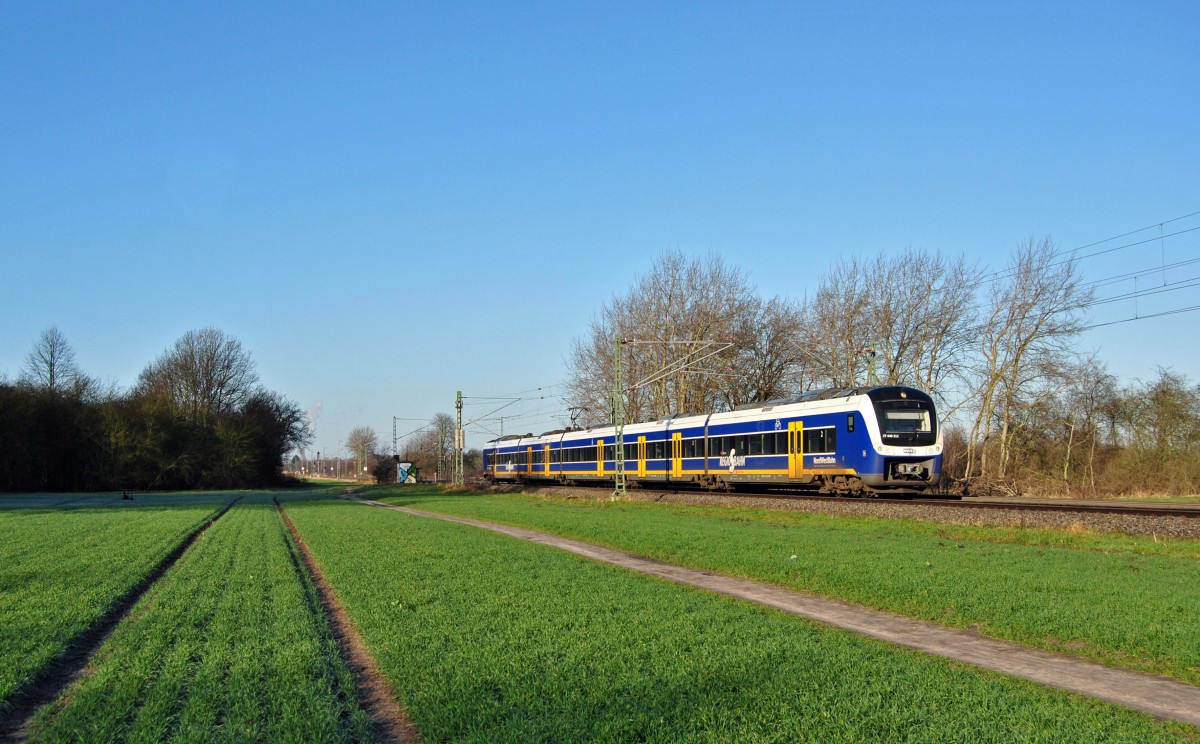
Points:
x=1023 y=407
x=196 y=418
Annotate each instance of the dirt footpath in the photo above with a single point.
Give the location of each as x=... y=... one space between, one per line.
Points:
x=1162 y=697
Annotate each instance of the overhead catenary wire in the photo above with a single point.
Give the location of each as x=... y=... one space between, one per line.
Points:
x=1007 y=273
x=1178 y=311
x=1162 y=268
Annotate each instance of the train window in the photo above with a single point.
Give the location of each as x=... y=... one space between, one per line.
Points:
x=908 y=421
x=820 y=440
x=755 y=445
x=905 y=422
x=610 y=452
x=690 y=447
x=849 y=422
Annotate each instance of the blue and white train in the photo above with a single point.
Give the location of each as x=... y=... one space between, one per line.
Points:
x=863 y=441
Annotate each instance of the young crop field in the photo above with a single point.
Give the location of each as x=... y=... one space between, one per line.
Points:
x=488 y=638
x=229 y=645
x=62 y=569
x=1126 y=601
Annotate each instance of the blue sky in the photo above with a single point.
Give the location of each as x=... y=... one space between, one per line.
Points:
x=373 y=198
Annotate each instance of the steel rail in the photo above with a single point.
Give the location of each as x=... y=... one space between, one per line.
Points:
x=1149 y=510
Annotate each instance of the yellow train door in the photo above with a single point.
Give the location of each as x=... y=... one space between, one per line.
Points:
x=795 y=449
x=641 y=457
x=677 y=454
x=600 y=457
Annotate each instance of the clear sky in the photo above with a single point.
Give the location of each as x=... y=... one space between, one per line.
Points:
x=388 y=202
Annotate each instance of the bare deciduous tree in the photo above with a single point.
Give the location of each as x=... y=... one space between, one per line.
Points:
x=913 y=311
x=1091 y=391
x=1033 y=312
x=679 y=300
x=205 y=373
x=51 y=364
x=432 y=448
x=922 y=310
x=766 y=359
x=362 y=441
x=838 y=327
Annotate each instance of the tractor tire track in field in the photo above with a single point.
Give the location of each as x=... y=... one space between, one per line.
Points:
x=375 y=693
x=50 y=682
x=1162 y=697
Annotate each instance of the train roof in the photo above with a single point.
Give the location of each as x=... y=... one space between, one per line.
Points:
x=675 y=420
x=827 y=394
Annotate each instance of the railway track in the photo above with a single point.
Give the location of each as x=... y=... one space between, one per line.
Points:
x=1157 y=509
x=1149 y=519
x=1148 y=508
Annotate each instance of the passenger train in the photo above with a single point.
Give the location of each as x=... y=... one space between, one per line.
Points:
x=861 y=441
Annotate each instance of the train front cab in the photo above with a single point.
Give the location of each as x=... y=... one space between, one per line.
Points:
x=906 y=439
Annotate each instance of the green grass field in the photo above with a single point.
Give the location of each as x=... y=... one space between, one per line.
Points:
x=487 y=638
x=229 y=646
x=63 y=565
x=493 y=639
x=1127 y=601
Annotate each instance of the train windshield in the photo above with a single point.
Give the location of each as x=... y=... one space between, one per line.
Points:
x=906 y=420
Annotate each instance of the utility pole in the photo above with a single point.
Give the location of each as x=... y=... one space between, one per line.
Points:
x=395 y=451
x=459 y=441
x=872 y=374
x=618 y=417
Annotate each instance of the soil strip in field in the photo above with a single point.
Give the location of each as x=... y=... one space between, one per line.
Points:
x=375 y=693
x=1162 y=697
x=71 y=664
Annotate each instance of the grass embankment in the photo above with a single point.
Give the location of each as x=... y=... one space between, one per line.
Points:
x=229 y=645
x=493 y=639
x=1127 y=601
x=61 y=570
